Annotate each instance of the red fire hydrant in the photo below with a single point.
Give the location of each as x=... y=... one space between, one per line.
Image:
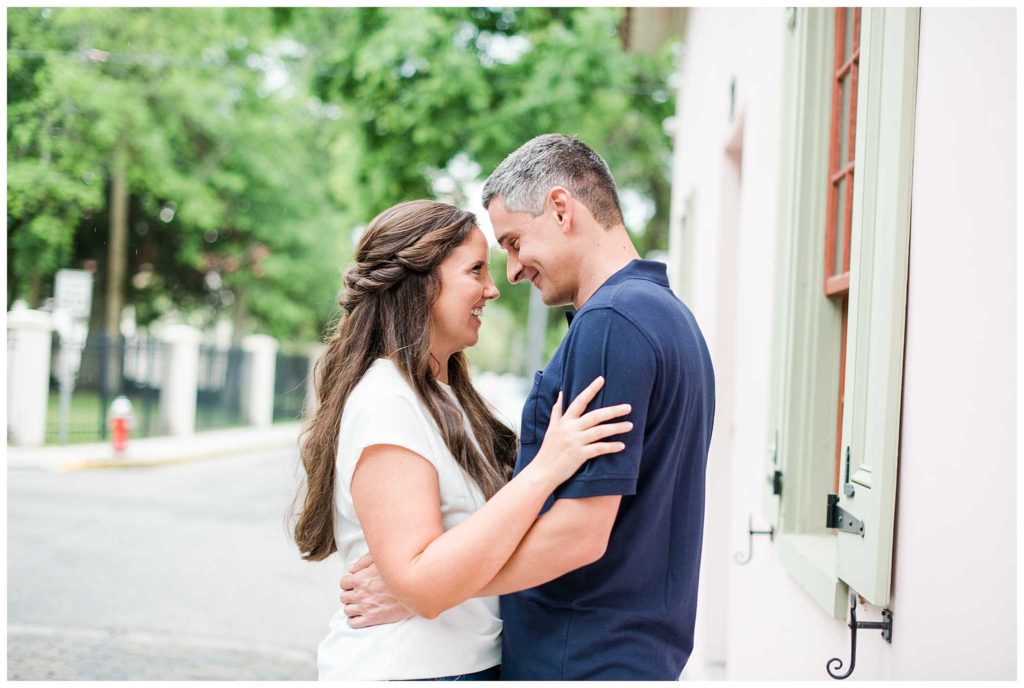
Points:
x=121 y=421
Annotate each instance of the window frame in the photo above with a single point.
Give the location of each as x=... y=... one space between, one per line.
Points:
x=805 y=374
x=807 y=341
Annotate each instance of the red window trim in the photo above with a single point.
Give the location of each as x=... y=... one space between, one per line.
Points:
x=837 y=285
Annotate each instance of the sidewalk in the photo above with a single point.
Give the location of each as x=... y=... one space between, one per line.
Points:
x=506 y=393
x=154 y=451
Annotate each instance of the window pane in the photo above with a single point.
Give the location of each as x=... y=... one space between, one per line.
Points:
x=854 y=16
x=848 y=43
x=839 y=225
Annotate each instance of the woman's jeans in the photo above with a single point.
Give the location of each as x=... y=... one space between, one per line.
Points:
x=492 y=674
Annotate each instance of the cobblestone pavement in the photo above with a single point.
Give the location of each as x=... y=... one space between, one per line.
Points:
x=42 y=653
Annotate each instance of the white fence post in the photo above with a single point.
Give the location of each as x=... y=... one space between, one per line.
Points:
x=258 y=388
x=28 y=376
x=180 y=379
x=311 y=400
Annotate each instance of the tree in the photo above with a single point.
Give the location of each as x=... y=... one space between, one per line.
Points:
x=215 y=186
x=251 y=143
x=421 y=86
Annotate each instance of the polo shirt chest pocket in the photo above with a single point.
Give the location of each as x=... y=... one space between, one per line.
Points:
x=528 y=432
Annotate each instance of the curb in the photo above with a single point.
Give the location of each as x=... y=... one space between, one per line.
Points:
x=94 y=464
x=156 y=452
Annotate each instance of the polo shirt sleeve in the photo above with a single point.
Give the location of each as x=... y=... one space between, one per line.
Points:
x=605 y=342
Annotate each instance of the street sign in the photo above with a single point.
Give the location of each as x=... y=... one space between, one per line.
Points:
x=72 y=293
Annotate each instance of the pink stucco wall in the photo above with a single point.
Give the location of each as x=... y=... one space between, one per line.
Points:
x=729 y=213
x=955 y=563
x=956 y=542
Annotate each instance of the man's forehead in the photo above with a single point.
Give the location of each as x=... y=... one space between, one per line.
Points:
x=502 y=221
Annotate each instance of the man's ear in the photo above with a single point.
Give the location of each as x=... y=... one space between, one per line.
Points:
x=561 y=203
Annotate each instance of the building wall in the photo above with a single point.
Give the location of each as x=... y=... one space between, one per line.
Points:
x=954 y=588
x=959 y=418
x=734 y=196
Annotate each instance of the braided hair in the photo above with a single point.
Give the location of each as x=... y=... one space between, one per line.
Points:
x=387 y=297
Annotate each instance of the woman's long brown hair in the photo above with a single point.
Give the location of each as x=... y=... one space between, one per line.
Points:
x=387 y=299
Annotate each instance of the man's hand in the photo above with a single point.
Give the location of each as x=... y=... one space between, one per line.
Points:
x=366 y=597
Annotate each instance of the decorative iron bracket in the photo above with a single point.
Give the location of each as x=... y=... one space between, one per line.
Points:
x=885 y=625
x=740 y=559
x=835 y=517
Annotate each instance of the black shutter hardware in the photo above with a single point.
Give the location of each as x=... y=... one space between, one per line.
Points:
x=841 y=520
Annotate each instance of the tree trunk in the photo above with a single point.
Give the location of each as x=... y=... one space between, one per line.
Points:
x=239 y=314
x=656 y=236
x=117 y=249
x=35 y=288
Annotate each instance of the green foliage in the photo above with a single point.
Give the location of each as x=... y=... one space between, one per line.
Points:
x=226 y=177
x=422 y=86
x=258 y=139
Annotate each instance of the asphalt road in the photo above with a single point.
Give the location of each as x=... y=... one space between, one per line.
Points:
x=176 y=572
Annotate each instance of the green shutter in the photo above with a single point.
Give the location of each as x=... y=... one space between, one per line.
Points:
x=878 y=293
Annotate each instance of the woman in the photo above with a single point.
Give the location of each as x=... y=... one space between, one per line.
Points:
x=405 y=460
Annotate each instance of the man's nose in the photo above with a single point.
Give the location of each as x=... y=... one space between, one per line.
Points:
x=513 y=270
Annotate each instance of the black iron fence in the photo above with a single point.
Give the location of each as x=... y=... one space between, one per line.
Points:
x=221 y=379
x=108 y=366
x=290 y=381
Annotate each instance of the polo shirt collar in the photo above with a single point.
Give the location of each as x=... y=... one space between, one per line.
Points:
x=651 y=270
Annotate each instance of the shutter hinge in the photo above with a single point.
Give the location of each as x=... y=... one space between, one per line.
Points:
x=775 y=478
x=835 y=517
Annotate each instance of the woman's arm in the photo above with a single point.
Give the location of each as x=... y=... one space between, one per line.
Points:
x=571 y=534
x=396 y=496
x=428 y=569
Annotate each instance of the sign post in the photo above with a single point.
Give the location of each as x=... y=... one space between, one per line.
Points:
x=73 y=299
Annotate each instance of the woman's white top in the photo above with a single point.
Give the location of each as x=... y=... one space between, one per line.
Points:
x=384 y=409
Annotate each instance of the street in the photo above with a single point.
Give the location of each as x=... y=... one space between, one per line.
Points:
x=181 y=571
x=175 y=572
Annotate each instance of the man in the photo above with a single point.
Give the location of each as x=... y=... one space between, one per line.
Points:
x=604 y=585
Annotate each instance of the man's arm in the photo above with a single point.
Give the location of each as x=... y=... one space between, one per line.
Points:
x=571 y=534
x=575 y=531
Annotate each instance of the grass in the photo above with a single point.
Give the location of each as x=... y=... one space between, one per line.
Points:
x=84 y=419
x=86 y=414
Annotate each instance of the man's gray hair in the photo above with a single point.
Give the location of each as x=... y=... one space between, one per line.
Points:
x=523 y=179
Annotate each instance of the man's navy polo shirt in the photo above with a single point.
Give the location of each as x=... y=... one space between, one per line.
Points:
x=629 y=615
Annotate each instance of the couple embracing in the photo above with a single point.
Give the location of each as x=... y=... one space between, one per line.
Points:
x=569 y=553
